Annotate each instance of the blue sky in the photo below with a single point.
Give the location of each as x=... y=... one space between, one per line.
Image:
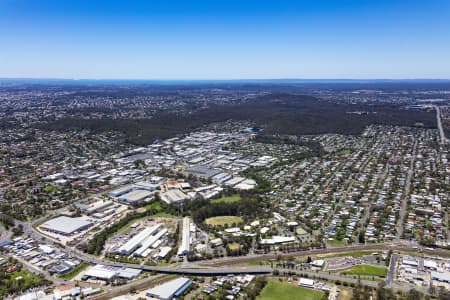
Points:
x=229 y=39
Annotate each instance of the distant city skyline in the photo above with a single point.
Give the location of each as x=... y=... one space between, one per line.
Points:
x=225 y=40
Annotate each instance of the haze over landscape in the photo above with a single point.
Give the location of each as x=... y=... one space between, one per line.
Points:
x=232 y=150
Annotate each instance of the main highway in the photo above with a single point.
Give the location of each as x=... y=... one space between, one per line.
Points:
x=229 y=265
x=226 y=265
x=219 y=266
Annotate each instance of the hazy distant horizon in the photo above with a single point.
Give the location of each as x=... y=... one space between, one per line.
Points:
x=256 y=80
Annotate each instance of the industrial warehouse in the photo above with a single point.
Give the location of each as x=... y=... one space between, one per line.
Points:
x=108 y=273
x=66 y=225
x=185 y=241
x=142 y=241
x=170 y=289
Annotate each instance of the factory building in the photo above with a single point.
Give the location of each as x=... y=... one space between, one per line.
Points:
x=202 y=171
x=120 y=191
x=66 y=225
x=135 y=196
x=173 y=197
x=144 y=185
x=149 y=242
x=107 y=273
x=442 y=277
x=170 y=289
x=94 y=207
x=185 y=241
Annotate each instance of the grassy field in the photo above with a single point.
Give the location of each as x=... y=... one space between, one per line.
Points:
x=366 y=270
x=222 y=220
x=74 y=272
x=336 y=243
x=228 y=199
x=345 y=152
x=156 y=205
x=275 y=290
x=21 y=280
x=50 y=189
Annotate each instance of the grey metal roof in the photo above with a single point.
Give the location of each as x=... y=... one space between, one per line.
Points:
x=65 y=224
x=168 y=289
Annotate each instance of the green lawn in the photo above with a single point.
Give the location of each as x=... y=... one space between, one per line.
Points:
x=74 y=272
x=19 y=281
x=50 y=188
x=275 y=290
x=222 y=220
x=156 y=205
x=366 y=270
x=335 y=243
x=345 y=152
x=227 y=199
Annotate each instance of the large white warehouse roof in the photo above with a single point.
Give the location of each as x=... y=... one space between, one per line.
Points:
x=136 y=241
x=66 y=225
x=168 y=290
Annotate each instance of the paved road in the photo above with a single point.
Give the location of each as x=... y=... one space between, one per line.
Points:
x=208 y=268
x=312 y=252
x=406 y=194
x=224 y=266
x=187 y=268
x=349 y=279
x=391 y=271
x=443 y=139
x=125 y=289
x=35 y=270
x=349 y=184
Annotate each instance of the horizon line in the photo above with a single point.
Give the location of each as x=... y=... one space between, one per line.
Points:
x=225 y=79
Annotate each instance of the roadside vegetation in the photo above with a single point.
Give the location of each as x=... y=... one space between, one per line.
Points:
x=95 y=246
x=75 y=271
x=18 y=281
x=227 y=199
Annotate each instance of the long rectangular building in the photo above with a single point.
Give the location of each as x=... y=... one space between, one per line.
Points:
x=185 y=239
x=120 y=191
x=137 y=240
x=135 y=196
x=66 y=225
x=170 y=289
x=149 y=241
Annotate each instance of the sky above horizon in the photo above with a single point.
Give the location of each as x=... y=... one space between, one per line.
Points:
x=247 y=39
